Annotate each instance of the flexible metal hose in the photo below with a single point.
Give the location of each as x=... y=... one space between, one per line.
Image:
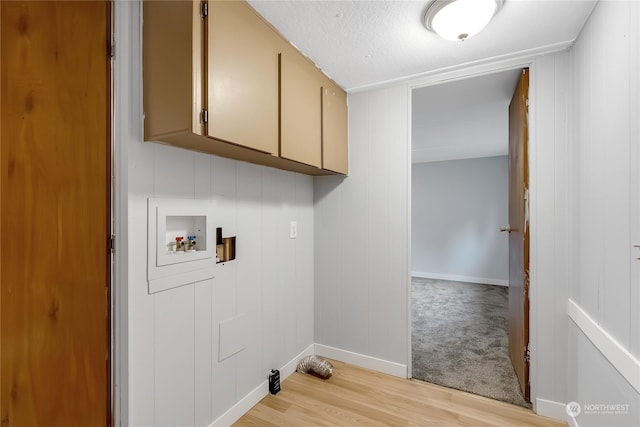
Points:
x=320 y=366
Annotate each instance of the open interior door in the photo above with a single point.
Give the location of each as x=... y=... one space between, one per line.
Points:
x=519 y=233
x=54 y=213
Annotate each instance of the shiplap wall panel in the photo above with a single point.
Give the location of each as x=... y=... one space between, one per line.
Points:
x=202 y=177
x=328 y=221
x=224 y=303
x=387 y=205
x=355 y=232
x=550 y=224
x=141 y=394
x=353 y=260
x=605 y=62
x=249 y=223
x=272 y=287
x=603 y=144
x=287 y=202
x=223 y=177
x=361 y=280
x=588 y=232
x=203 y=326
x=615 y=99
x=173 y=373
x=562 y=224
x=173 y=173
x=303 y=260
x=173 y=353
x=634 y=161
x=202 y=349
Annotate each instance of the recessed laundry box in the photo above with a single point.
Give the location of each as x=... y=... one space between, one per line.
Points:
x=181 y=242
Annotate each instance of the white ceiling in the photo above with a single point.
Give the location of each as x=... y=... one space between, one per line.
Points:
x=462 y=119
x=363 y=43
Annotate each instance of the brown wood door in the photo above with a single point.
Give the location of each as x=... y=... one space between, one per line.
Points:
x=54 y=213
x=519 y=234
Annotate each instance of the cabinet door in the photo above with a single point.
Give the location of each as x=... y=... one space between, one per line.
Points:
x=335 y=148
x=300 y=109
x=242 y=68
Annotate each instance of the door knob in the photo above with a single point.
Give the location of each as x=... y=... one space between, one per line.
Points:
x=507 y=229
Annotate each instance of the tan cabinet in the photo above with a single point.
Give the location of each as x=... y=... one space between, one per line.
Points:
x=335 y=147
x=242 y=64
x=300 y=109
x=219 y=79
x=171 y=55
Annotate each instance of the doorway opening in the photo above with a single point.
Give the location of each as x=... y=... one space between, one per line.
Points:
x=460 y=266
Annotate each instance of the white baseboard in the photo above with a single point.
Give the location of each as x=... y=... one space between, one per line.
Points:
x=367 y=362
x=456 y=278
x=572 y=421
x=234 y=413
x=551 y=409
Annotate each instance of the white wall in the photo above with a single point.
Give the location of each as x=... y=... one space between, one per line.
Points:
x=175 y=377
x=605 y=284
x=549 y=231
x=362 y=269
x=361 y=234
x=457 y=208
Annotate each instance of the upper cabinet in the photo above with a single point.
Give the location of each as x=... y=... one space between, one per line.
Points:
x=335 y=147
x=300 y=109
x=219 y=79
x=242 y=64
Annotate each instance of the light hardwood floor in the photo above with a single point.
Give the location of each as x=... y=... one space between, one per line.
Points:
x=354 y=396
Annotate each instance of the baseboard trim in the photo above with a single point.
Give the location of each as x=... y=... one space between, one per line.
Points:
x=234 y=413
x=572 y=421
x=361 y=360
x=613 y=351
x=456 y=278
x=551 y=409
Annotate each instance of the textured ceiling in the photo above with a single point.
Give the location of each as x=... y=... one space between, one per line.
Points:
x=364 y=43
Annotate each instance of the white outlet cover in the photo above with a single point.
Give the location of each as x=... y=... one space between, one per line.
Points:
x=293 y=230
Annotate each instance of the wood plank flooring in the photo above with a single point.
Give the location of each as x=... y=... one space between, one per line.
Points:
x=354 y=396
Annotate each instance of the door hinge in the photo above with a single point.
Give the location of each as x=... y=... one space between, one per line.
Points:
x=204 y=9
x=204 y=116
x=112 y=244
x=111 y=51
x=527 y=354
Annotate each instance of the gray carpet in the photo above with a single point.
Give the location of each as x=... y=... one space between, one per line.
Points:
x=460 y=338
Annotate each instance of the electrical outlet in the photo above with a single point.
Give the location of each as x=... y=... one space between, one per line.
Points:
x=293 y=230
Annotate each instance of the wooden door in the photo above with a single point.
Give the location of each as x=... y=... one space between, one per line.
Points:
x=242 y=69
x=54 y=211
x=519 y=234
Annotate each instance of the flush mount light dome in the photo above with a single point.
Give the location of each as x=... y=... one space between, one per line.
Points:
x=460 y=19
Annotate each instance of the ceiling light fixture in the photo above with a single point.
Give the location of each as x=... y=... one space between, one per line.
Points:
x=459 y=20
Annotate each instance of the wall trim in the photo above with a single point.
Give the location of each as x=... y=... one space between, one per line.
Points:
x=616 y=354
x=482 y=66
x=456 y=278
x=234 y=413
x=551 y=409
x=363 y=361
x=571 y=420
